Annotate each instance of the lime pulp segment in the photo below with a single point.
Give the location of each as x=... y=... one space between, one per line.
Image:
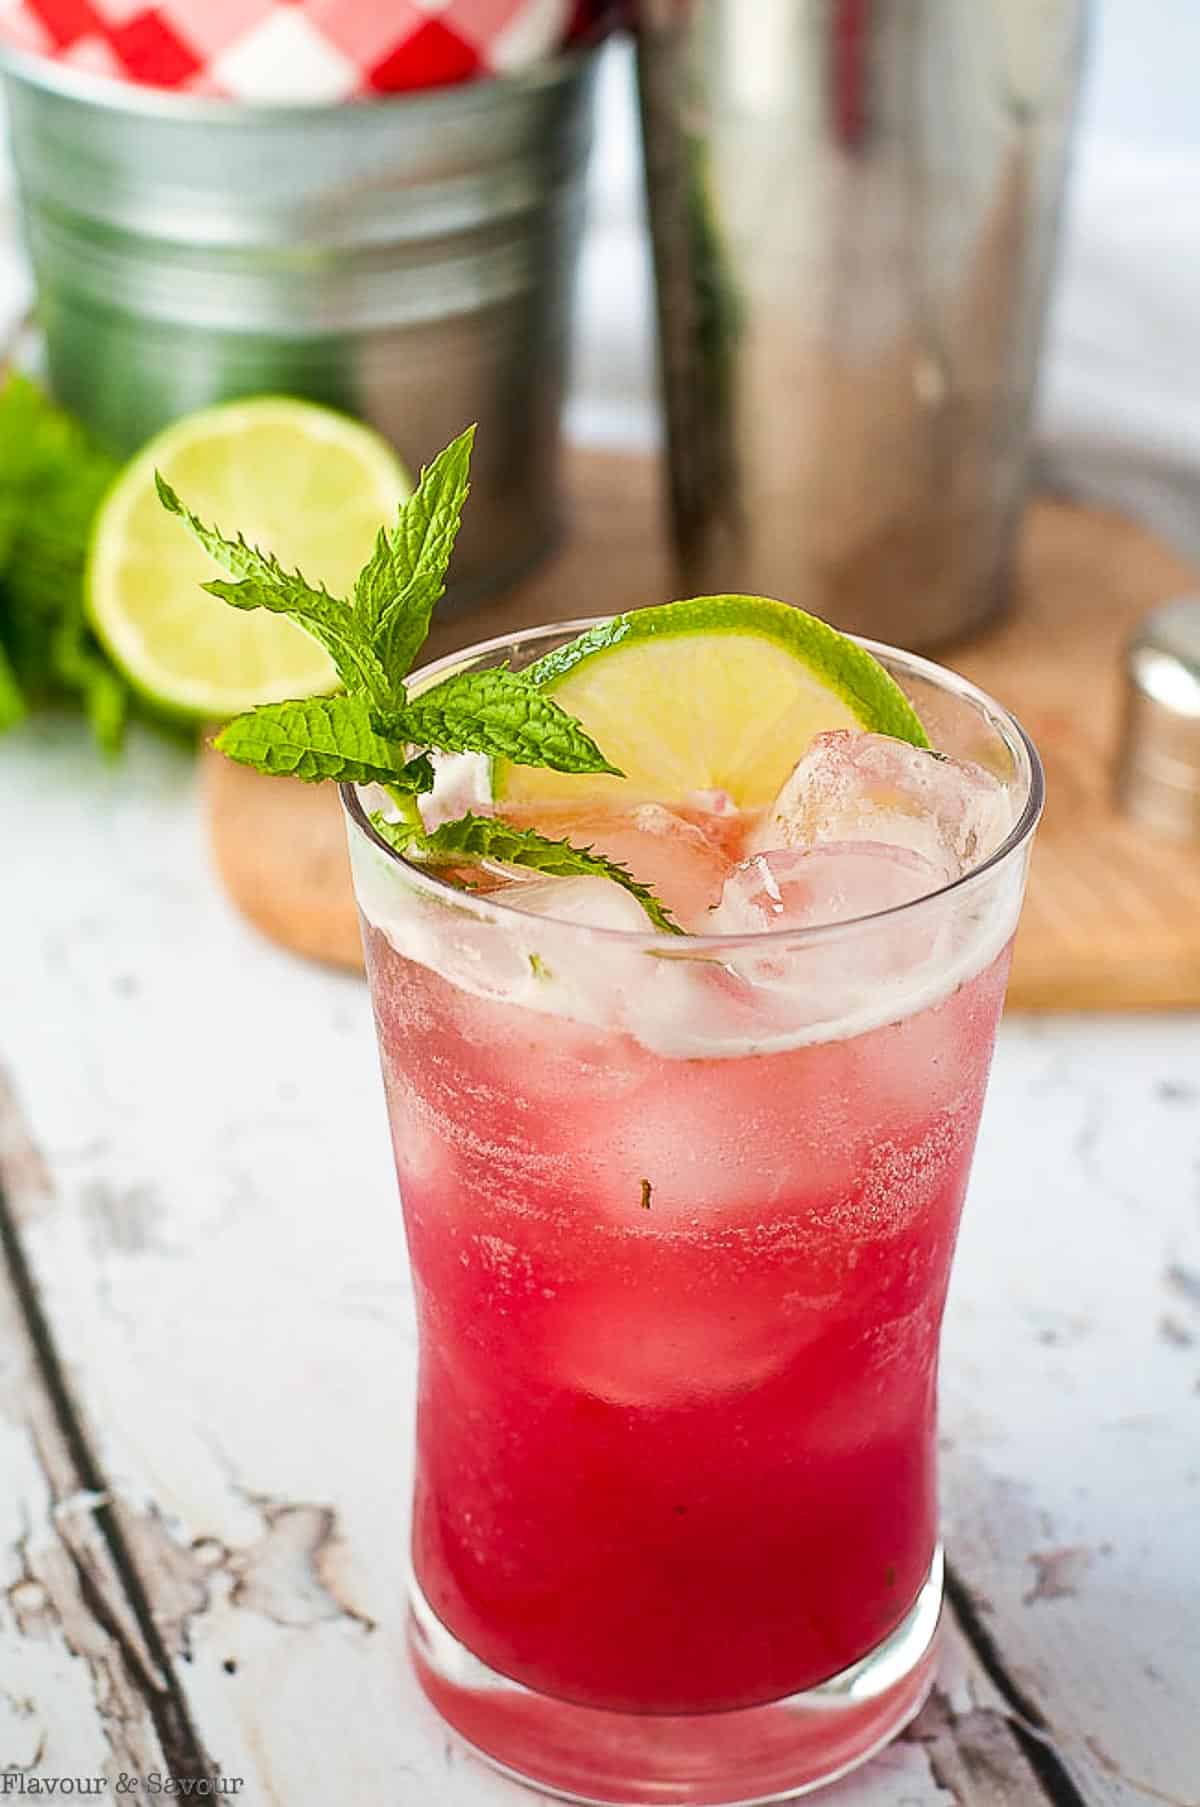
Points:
x=305 y=483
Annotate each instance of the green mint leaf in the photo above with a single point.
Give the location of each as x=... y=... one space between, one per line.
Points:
x=264 y=584
x=10 y=525
x=397 y=590
x=12 y=702
x=106 y=699
x=490 y=837
x=81 y=668
x=52 y=479
x=375 y=585
x=322 y=737
x=497 y=712
x=418 y=775
x=404 y=625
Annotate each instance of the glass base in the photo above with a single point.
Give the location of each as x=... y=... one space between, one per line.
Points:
x=735 y=1759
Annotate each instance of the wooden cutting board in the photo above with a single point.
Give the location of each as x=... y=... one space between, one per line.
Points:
x=1112 y=919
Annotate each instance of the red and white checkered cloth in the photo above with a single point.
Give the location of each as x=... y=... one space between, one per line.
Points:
x=297 y=50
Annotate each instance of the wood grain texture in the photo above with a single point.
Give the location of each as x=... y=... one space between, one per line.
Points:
x=1071 y=1397
x=1112 y=918
x=79 y=1690
x=280 y=849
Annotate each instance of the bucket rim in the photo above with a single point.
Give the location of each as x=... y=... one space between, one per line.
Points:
x=108 y=94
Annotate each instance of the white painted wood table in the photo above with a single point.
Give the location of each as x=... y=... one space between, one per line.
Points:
x=206 y=1364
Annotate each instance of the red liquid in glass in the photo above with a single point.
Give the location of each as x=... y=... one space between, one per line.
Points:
x=679 y=1330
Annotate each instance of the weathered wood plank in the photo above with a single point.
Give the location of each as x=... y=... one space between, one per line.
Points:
x=221 y=1261
x=76 y=1681
x=1072 y=1398
x=966 y=1735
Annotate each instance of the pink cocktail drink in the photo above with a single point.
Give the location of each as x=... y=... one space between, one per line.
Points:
x=681 y=1217
x=680 y=1324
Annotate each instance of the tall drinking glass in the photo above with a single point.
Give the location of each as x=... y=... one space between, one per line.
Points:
x=681 y=1215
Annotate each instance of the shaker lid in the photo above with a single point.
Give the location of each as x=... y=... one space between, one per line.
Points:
x=1158 y=775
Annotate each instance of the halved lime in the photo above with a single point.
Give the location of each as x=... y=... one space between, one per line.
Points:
x=309 y=485
x=719 y=693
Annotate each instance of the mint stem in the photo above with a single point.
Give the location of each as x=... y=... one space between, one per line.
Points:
x=406 y=803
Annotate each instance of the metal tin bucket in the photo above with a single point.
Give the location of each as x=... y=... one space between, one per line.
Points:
x=409 y=260
x=854 y=207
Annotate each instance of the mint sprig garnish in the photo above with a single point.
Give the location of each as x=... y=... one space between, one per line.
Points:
x=315 y=738
x=472 y=837
x=373 y=732
x=396 y=608
x=500 y=713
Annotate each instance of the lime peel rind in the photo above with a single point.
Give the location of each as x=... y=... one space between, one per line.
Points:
x=852 y=673
x=737 y=722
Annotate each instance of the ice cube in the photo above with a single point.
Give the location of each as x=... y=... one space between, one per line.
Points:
x=683 y=861
x=852 y=786
x=552 y=966
x=798 y=888
x=633 y=1353
x=461 y=782
x=804 y=887
x=597 y=903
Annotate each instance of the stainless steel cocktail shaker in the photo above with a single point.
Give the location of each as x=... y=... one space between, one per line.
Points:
x=854 y=207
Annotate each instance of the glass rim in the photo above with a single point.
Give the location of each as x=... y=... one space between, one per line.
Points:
x=485 y=905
